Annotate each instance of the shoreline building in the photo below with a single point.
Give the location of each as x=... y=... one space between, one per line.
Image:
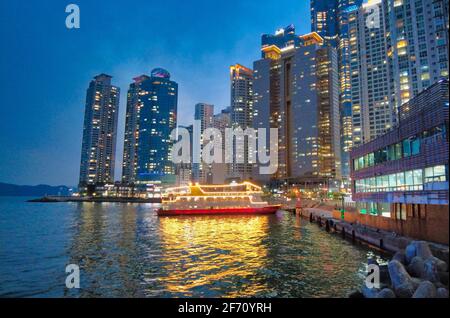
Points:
x=296 y=91
x=150 y=118
x=241 y=88
x=99 y=132
x=400 y=180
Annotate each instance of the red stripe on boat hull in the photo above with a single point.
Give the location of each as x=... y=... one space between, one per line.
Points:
x=229 y=211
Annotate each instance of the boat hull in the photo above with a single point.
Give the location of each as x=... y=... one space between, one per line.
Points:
x=222 y=211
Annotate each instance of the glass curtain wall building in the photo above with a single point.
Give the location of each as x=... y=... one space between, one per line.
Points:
x=151 y=117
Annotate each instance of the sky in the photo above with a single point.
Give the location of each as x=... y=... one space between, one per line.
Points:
x=45 y=68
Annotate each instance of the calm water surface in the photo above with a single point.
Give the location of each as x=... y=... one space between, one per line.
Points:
x=125 y=250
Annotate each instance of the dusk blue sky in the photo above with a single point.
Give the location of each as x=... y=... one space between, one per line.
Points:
x=46 y=68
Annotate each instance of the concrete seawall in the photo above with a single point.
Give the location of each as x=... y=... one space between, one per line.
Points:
x=385 y=240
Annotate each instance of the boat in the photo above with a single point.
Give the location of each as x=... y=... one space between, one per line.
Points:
x=228 y=199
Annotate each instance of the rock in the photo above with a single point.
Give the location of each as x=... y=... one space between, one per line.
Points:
x=356 y=294
x=416 y=267
x=401 y=281
x=430 y=271
x=369 y=292
x=443 y=276
x=442 y=293
x=422 y=249
x=426 y=289
x=410 y=253
x=384 y=275
x=399 y=256
x=405 y=291
x=386 y=293
x=416 y=282
x=441 y=265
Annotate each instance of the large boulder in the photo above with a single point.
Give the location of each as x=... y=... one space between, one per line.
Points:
x=441 y=265
x=416 y=282
x=442 y=293
x=410 y=253
x=386 y=293
x=416 y=267
x=400 y=256
x=443 y=276
x=426 y=289
x=430 y=271
x=401 y=281
x=422 y=249
x=384 y=275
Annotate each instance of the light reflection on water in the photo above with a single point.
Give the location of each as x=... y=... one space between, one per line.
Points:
x=125 y=250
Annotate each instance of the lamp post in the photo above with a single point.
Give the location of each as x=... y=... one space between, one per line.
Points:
x=342 y=206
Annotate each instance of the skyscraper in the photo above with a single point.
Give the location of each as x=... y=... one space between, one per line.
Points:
x=330 y=18
x=241 y=87
x=417 y=45
x=324 y=19
x=221 y=171
x=372 y=111
x=296 y=91
x=99 y=132
x=151 y=117
x=344 y=16
x=184 y=170
x=204 y=113
x=282 y=38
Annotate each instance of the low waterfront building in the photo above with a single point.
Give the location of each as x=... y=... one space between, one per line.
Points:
x=120 y=190
x=400 y=179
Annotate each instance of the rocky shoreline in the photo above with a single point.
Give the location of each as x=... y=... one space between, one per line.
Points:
x=418 y=269
x=412 y=273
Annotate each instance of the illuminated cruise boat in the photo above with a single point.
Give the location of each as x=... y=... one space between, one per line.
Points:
x=235 y=198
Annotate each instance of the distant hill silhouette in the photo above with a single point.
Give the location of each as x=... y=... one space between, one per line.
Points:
x=7 y=189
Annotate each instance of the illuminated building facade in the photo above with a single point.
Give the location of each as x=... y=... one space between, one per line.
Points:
x=345 y=10
x=324 y=19
x=417 y=41
x=151 y=117
x=296 y=91
x=99 y=132
x=241 y=87
x=372 y=111
x=400 y=179
x=330 y=18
